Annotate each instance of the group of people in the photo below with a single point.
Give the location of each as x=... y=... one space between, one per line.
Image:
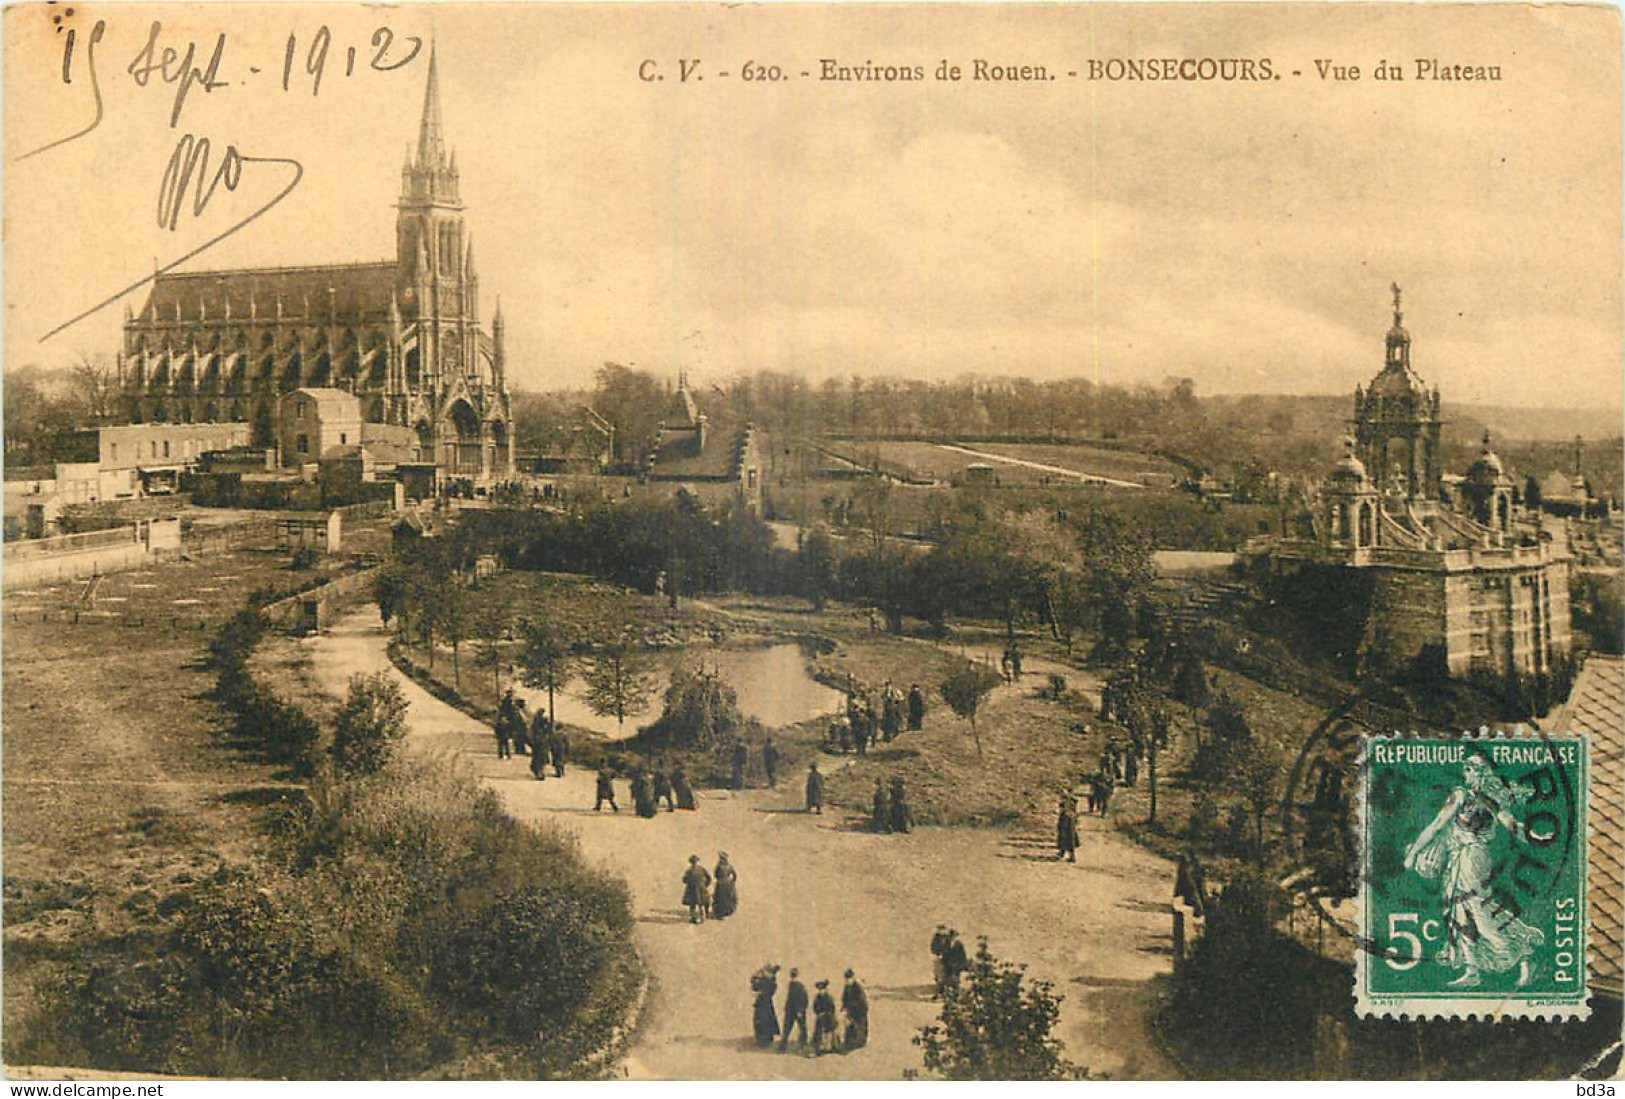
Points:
x=741 y=760
x=826 y=1035
x=873 y=717
x=890 y=813
x=538 y=737
x=948 y=959
x=709 y=896
x=649 y=789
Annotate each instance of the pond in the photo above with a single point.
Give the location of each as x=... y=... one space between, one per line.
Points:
x=772 y=683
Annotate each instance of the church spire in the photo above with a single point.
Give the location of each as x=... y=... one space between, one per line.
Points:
x=431 y=137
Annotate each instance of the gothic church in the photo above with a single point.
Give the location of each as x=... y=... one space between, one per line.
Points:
x=403 y=335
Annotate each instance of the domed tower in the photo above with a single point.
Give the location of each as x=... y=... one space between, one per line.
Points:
x=1487 y=490
x=1396 y=423
x=1351 y=503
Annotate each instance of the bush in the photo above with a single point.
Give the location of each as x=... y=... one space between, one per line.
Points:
x=371 y=724
x=996 y=1026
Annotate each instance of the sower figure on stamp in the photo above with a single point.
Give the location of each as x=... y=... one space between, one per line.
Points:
x=1481 y=934
x=795 y=1012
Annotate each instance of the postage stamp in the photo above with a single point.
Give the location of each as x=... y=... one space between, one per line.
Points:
x=1472 y=894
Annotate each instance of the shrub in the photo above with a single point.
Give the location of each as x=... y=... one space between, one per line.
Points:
x=995 y=1025
x=370 y=725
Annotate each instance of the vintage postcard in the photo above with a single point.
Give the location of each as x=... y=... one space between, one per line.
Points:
x=575 y=541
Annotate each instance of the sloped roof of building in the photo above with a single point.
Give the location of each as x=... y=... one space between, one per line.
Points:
x=1596 y=710
x=354 y=291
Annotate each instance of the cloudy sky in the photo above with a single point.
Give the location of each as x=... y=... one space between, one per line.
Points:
x=1244 y=234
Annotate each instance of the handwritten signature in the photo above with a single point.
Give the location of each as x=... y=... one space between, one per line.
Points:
x=191 y=178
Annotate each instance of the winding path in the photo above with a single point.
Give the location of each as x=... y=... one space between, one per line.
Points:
x=818 y=893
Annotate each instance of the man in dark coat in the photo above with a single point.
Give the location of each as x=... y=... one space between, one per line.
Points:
x=795 y=1012
x=891 y=716
x=939 y=957
x=880 y=821
x=824 y=1020
x=504 y=724
x=559 y=745
x=538 y=762
x=855 y=1003
x=696 y=890
x=741 y=757
x=606 y=790
x=1066 y=831
x=770 y=763
x=662 y=788
x=815 y=789
x=916 y=707
x=954 y=961
x=899 y=808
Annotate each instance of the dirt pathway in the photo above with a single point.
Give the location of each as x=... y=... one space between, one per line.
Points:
x=818 y=893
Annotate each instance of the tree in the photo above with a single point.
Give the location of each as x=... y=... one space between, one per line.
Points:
x=94 y=389
x=996 y=1025
x=616 y=683
x=391 y=589
x=964 y=691
x=1256 y=774
x=701 y=710
x=546 y=659
x=371 y=724
x=491 y=626
x=817 y=559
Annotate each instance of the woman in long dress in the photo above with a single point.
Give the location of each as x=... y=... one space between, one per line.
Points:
x=765 y=1017
x=725 y=896
x=1481 y=935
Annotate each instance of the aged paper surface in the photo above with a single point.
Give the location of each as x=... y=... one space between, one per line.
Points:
x=828 y=505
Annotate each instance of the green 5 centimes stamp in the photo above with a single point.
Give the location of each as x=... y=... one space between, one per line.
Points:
x=1473 y=877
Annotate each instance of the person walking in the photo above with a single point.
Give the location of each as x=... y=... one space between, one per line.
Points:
x=824 y=1020
x=898 y=806
x=643 y=801
x=538 y=762
x=916 y=707
x=504 y=725
x=815 y=789
x=558 y=745
x=1103 y=795
x=880 y=821
x=606 y=790
x=795 y=1012
x=770 y=763
x=1066 y=831
x=696 y=890
x=954 y=960
x=741 y=757
x=662 y=789
x=725 y=897
x=680 y=787
x=855 y=1003
x=939 y=958
x=764 y=1019
x=891 y=719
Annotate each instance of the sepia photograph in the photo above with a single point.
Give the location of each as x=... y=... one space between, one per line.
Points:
x=812 y=542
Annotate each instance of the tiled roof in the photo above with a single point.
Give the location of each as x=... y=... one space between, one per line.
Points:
x=1596 y=709
x=357 y=291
